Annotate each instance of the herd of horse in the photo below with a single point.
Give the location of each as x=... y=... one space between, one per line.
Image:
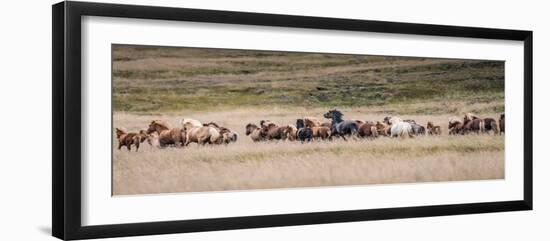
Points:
x=160 y=135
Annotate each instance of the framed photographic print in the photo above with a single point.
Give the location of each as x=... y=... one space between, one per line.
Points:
x=171 y=120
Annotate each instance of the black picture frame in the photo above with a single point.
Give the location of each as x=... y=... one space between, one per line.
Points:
x=66 y=76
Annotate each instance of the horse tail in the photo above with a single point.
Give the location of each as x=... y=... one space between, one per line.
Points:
x=214 y=135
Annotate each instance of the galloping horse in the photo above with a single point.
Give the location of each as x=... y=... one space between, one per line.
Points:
x=341 y=127
x=433 y=129
x=303 y=133
x=319 y=132
x=367 y=129
x=254 y=132
x=273 y=132
x=228 y=135
x=455 y=126
x=167 y=136
x=196 y=132
x=399 y=128
x=129 y=139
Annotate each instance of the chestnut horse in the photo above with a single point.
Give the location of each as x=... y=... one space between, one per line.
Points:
x=273 y=132
x=455 y=126
x=433 y=129
x=167 y=136
x=129 y=139
x=290 y=131
x=367 y=129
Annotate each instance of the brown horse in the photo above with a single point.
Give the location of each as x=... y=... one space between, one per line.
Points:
x=273 y=132
x=433 y=129
x=490 y=124
x=129 y=139
x=167 y=136
x=475 y=125
x=455 y=126
x=367 y=129
x=254 y=132
x=501 y=123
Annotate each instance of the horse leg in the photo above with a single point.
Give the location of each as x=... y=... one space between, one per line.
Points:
x=129 y=146
x=120 y=145
x=343 y=137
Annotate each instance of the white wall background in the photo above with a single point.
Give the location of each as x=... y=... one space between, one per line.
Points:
x=25 y=101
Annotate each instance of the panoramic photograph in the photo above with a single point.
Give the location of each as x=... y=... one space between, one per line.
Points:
x=188 y=119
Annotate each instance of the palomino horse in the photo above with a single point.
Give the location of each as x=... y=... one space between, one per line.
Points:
x=228 y=136
x=254 y=132
x=399 y=128
x=167 y=136
x=383 y=128
x=196 y=132
x=341 y=127
x=129 y=139
x=433 y=129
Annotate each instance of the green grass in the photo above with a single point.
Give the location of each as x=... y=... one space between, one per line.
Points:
x=210 y=79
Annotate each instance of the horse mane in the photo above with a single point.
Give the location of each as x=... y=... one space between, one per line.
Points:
x=160 y=123
x=300 y=123
x=454 y=120
x=336 y=115
x=312 y=121
x=469 y=117
x=212 y=124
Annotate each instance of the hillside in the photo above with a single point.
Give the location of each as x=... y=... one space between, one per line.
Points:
x=161 y=79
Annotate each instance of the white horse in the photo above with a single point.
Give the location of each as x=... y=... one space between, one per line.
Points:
x=188 y=123
x=399 y=128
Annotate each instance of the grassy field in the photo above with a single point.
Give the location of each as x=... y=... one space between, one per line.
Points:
x=234 y=88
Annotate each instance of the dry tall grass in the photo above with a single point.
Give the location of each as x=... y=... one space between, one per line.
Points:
x=248 y=165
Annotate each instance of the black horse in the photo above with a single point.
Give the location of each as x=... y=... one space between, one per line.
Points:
x=341 y=127
x=418 y=129
x=303 y=133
